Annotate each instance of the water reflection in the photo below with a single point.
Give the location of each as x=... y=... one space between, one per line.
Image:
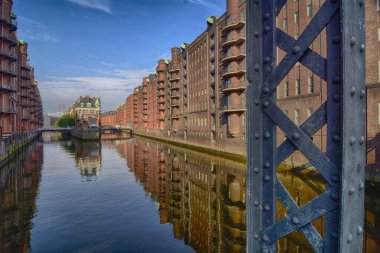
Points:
x=19 y=183
x=88 y=159
x=201 y=196
x=204 y=197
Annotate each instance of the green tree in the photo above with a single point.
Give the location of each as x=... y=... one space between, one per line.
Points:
x=66 y=120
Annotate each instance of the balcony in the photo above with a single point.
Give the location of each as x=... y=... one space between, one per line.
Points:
x=174 y=68
x=8 y=37
x=25 y=95
x=227 y=86
x=212 y=93
x=11 y=21
x=212 y=69
x=233 y=56
x=26 y=67
x=213 y=108
x=174 y=87
x=234 y=39
x=161 y=94
x=212 y=44
x=161 y=78
x=174 y=116
x=9 y=55
x=212 y=57
x=25 y=86
x=7 y=71
x=145 y=112
x=235 y=22
x=145 y=102
x=7 y=87
x=234 y=108
x=25 y=76
x=212 y=81
x=161 y=118
x=233 y=71
x=7 y=111
x=161 y=108
x=213 y=127
x=174 y=96
x=161 y=101
x=161 y=68
x=173 y=78
x=174 y=104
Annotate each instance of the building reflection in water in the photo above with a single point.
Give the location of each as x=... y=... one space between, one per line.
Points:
x=19 y=183
x=87 y=159
x=203 y=197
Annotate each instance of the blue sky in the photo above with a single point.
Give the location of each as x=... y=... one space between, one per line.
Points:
x=104 y=47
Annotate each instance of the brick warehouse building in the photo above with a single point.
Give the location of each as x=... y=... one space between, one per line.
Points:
x=20 y=100
x=201 y=89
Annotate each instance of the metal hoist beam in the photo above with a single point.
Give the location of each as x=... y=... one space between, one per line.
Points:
x=341 y=161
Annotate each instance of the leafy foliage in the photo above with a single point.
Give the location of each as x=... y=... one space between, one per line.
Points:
x=66 y=120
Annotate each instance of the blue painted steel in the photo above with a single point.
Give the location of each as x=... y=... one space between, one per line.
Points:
x=342 y=166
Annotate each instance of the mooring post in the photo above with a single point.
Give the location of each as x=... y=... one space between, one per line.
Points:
x=342 y=165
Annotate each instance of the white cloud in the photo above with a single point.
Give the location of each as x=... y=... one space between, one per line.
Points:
x=207 y=4
x=102 y=5
x=33 y=30
x=112 y=89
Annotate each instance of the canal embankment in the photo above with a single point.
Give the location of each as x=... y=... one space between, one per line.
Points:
x=209 y=149
x=13 y=144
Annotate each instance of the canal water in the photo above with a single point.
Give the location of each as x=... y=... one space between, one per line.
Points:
x=139 y=196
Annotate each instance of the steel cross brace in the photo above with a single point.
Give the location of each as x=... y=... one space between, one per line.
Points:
x=342 y=166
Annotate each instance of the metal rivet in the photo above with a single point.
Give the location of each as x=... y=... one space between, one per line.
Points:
x=352 y=140
x=266 y=89
x=257 y=102
x=256 y=236
x=266 y=29
x=362 y=48
x=336 y=40
x=257 y=67
x=361 y=140
x=268 y=69
x=351 y=191
x=336 y=98
x=353 y=90
x=264 y=250
x=334 y=195
x=267 y=15
x=336 y=138
x=266 y=104
x=257 y=136
x=295 y=220
x=349 y=238
x=267 y=135
x=361 y=185
x=267 y=59
x=256 y=170
x=296 y=49
x=296 y=136
x=336 y=80
x=352 y=41
x=256 y=203
x=265 y=238
x=334 y=234
x=266 y=178
x=256 y=34
x=360 y=230
x=266 y=208
x=362 y=93
x=267 y=165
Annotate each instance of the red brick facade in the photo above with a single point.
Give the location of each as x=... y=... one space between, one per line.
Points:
x=20 y=100
x=198 y=96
